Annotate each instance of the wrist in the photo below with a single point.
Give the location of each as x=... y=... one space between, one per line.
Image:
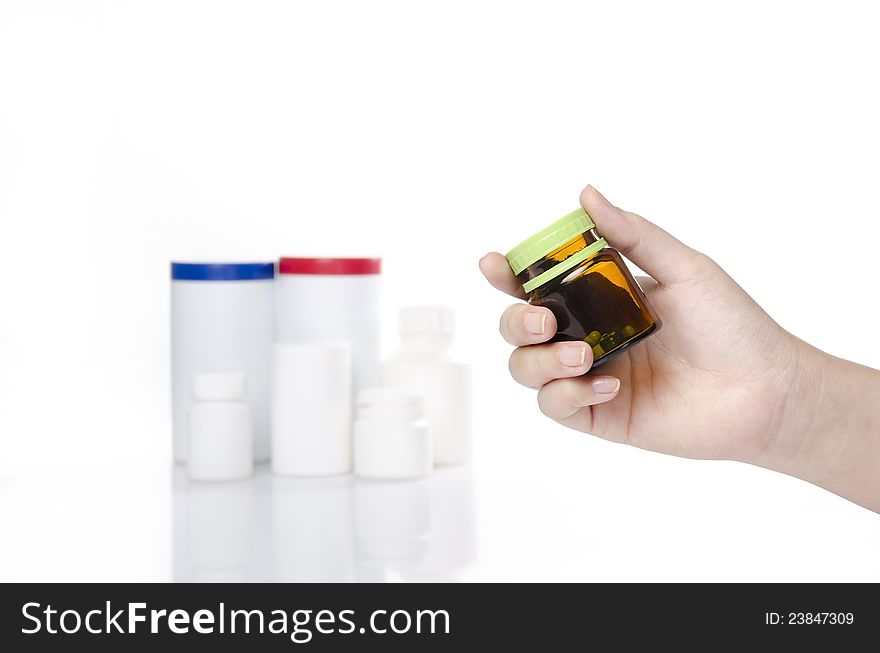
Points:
x=828 y=431
x=796 y=445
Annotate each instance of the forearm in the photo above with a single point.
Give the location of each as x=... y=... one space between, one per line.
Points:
x=830 y=431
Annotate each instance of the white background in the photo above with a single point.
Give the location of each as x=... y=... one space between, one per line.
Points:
x=132 y=133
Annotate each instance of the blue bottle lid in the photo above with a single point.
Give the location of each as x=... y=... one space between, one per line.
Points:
x=222 y=271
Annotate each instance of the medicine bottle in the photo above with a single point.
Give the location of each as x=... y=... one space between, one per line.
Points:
x=423 y=365
x=570 y=269
x=221 y=321
x=392 y=438
x=220 y=435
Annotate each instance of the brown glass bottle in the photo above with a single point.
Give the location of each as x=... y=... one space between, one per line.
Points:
x=586 y=285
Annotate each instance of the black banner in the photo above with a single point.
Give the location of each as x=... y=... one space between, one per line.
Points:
x=322 y=617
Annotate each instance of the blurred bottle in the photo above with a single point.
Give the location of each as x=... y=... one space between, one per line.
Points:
x=423 y=365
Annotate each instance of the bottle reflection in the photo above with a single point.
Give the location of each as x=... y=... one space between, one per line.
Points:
x=312 y=532
x=392 y=524
x=452 y=543
x=213 y=530
x=331 y=529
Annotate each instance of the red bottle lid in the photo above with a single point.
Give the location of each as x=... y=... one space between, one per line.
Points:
x=289 y=265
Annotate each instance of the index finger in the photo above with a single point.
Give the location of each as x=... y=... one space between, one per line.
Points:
x=497 y=272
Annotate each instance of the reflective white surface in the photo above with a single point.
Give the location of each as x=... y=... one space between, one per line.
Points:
x=154 y=523
x=595 y=520
x=337 y=529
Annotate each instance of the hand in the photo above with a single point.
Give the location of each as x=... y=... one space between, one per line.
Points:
x=719 y=380
x=714 y=382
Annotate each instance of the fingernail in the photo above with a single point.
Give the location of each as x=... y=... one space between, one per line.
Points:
x=605 y=386
x=572 y=355
x=535 y=322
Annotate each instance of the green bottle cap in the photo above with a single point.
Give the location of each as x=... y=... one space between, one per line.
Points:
x=564 y=266
x=545 y=241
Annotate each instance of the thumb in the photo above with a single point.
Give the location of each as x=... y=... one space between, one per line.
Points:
x=658 y=253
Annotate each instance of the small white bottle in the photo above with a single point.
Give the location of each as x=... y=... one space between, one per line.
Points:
x=422 y=365
x=220 y=442
x=392 y=439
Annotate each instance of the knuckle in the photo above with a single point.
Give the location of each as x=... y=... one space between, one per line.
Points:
x=702 y=265
x=705 y=261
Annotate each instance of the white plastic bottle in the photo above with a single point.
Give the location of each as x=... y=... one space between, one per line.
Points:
x=221 y=321
x=422 y=365
x=392 y=439
x=220 y=442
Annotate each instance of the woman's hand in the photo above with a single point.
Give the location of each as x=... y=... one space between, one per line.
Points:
x=720 y=380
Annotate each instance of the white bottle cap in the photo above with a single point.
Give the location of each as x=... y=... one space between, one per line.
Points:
x=311 y=409
x=219 y=386
x=426 y=320
x=220 y=434
x=391 y=435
